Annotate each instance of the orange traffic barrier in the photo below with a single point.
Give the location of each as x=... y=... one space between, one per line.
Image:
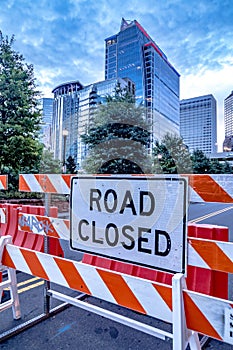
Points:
x=201 y=280
x=39 y=210
x=28 y=239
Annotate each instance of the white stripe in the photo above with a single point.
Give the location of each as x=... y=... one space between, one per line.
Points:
x=2 y=215
x=52 y=270
x=94 y=282
x=194 y=258
x=18 y=259
x=227 y=249
x=149 y=298
x=61 y=228
x=194 y=196
x=224 y=181
x=59 y=183
x=32 y=182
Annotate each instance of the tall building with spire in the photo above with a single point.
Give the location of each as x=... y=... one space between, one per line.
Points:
x=133 y=53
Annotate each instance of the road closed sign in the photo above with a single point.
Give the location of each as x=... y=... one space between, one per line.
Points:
x=136 y=219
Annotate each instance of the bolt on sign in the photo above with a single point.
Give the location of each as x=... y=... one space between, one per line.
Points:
x=136 y=219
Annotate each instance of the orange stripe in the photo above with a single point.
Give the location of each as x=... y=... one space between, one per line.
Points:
x=48 y=225
x=45 y=183
x=165 y=293
x=215 y=258
x=6 y=259
x=72 y=276
x=120 y=291
x=3 y=179
x=23 y=186
x=196 y=320
x=67 y=223
x=34 y=264
x=208 y=189
x=67 y=179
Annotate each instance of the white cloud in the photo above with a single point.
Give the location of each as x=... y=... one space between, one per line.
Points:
x=64 y=40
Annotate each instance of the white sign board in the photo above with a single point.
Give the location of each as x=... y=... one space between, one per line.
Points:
x=136 y=219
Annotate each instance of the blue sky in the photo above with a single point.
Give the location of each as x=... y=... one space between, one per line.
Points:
x=64 y=40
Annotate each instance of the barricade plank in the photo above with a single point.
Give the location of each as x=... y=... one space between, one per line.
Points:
x=45 y=183
x=214 y=255
x=203 y=187
x=211 y=187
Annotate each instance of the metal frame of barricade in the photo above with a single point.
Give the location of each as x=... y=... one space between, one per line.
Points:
x=182 y=334
x=177 y=305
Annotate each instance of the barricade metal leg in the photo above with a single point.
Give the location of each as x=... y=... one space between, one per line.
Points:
x=10 y=283
x=47 y=302
x=181 y=335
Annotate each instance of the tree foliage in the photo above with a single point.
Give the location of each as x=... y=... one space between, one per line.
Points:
x=49 y=165
x=20 y=116
x=201 y=163
x=171 y=156
x=118 y=137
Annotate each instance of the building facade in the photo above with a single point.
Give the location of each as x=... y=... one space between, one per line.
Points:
x=47 y=116
x=74 y=105
x=198 y=123
x=228 y=120
x=132 y=53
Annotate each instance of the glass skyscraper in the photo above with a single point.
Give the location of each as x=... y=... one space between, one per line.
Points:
x=74 y=105
x=228 y=121
x=132 y=53
x=47 y=115
x=198 y=123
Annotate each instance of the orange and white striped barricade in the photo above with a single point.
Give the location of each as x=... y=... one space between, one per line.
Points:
x=10 y=283
x=201 y=313
x=45 y=183
x=211 y=187
x=203 y=187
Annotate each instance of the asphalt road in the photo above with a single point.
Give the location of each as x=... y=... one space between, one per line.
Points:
x=74 y=328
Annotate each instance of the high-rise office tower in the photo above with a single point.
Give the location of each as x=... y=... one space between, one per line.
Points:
x=198 y=126
x=47 y=114
x=132 y=53
x=74 y=105
x=228 y=120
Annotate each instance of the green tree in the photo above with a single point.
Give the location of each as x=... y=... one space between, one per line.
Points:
x=49 y=165
x=201 y=163
x=227 y=168
x=216 y=167
x=70 y=166
x=20 y=117
x=171 y=156
x=118 y=137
